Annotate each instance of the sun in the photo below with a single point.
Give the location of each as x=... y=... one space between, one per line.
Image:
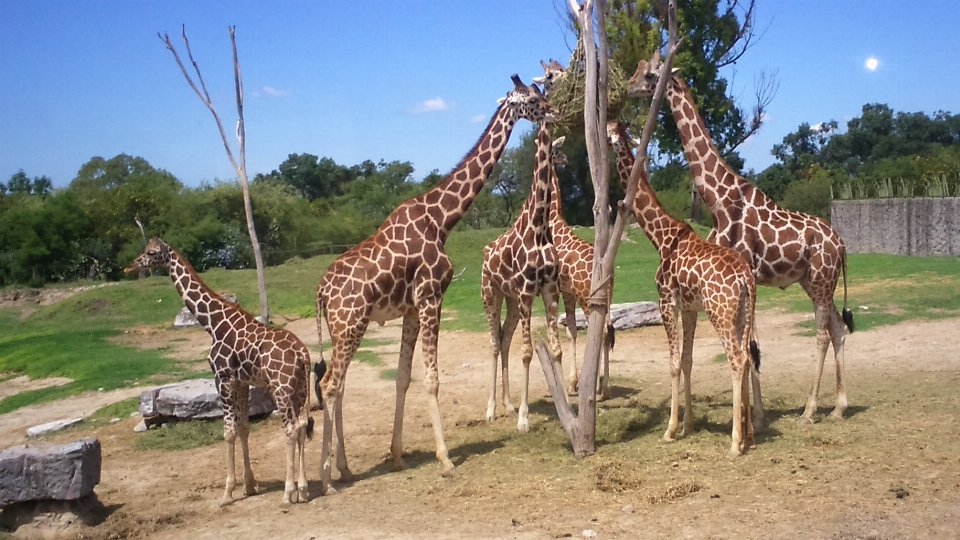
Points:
x=872 y=63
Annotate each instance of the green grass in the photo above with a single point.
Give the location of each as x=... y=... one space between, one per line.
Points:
x=69 y=338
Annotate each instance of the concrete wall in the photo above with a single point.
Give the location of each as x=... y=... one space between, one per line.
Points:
x=923 y=226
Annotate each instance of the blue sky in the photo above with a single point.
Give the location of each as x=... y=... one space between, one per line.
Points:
x=395 y=80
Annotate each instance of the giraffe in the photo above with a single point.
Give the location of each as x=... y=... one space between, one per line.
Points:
x=783 y=247
x=518 y=266
x=402 y=271
x=575 y=257
x=695 y=275
x=245 y=352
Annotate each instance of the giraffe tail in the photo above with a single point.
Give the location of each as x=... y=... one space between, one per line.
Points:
x=847 y=314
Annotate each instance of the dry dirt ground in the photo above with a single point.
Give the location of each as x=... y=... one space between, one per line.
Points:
x=891 y=469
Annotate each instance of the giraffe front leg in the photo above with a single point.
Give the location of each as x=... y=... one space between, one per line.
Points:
x=290 y=494
x=411 y=330
x=228 y=399
x=330 y=401
x=243 y=431
x=668 y=313
x=430 y=330
x=526 y=355
x=492 y=303
x=570 y=309
x=550 y=294
x=686 y=368
x=506 y=338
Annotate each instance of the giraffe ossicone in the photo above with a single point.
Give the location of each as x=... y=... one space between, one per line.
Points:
x=782 y=246
x=402 y=271
x=245 y=352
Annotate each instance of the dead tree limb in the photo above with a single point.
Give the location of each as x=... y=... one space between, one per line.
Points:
x=239 y=167
x=581 y=427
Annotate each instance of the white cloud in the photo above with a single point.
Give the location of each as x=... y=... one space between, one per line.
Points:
x=271 y=91
x=872 y=64
x=430 y=105
x=478 y=118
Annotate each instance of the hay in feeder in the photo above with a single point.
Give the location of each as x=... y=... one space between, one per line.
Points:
x=566 y=94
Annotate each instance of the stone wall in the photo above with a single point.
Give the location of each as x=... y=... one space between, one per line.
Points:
x=922 y=226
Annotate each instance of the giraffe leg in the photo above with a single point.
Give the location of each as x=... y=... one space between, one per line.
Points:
x=749 y=440
x=506 y=339
x=838 y=336
x=342 y=351
x=738 y=373
x=330 y=401
x=408 y=340
x=686 y=367
x=604 y=392
x=823 y=342
x=758 y=414
x=429 y=334
x=227 y=398
x=243 y=431
x=526 y=355
x=669 y=313
x=290 y=493
x=550 y=294
x=492 y=304
x=570 y=309
x=345 y=474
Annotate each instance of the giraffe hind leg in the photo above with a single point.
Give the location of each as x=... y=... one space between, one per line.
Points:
x=838 y=337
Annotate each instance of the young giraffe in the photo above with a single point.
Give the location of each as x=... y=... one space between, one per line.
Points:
x=518 y=266
x=402 y=271
x=575 y=258
x=245 y=352
x=695 y=276
x=783 y=247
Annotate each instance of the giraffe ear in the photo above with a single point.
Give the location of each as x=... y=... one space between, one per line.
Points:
x=655 y=59
x=545 y=65
x=675 y=70
x=558 y=142
x=635 y=143
x=540 y=80
x=501 y=100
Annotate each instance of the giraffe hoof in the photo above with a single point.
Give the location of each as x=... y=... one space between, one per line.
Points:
x=450 y=472
x=805 y=421
x=346 y=476
x=225 y=501
x=732 y=454
x=523 y=425
x=837 y=414
x=328 y=490
x=250 y=490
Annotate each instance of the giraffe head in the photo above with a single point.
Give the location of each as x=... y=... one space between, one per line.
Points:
x=528 y=102
x=556 y=151
x=552 y=72
x=617 y=135
x=156 y=253
x=643 y=82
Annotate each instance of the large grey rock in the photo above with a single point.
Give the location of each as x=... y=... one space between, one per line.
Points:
x=624 y=316
x=62 y=472
x=185 y=319
x=194 y=400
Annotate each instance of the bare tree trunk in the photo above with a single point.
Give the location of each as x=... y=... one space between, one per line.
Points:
x=143 y=271
x=581 y=427
x=241 y=167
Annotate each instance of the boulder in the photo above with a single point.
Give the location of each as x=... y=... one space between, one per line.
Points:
x=624 y=316
x=185 y=319
x=194 y=400
x=63 y=472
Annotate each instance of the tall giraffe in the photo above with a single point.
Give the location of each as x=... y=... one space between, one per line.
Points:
x=782 y=246
x=245 y=352
x=518 y=266
x=695 y=275
x=402 y=271
x=575 y=257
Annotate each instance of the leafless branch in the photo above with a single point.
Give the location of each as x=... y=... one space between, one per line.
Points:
x=765 y=87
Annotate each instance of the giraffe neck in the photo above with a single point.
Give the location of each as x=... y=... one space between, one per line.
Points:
x=208 y=307
x=716 y=182
x=559 y=230
x=455 y=193
x=539 y=210
x=661 y=228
